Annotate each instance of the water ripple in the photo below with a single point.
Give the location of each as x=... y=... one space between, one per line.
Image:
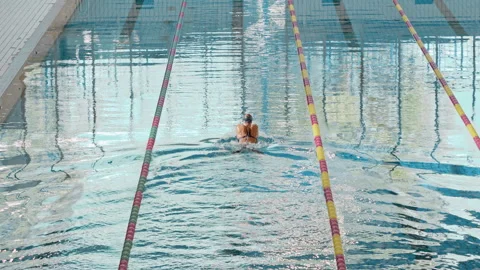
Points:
x=402 y=169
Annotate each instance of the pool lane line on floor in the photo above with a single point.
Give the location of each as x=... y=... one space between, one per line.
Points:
x=440 y=77
x=450 y=17
x=127 y=246
x=345 y=24
x=129 y=24
x=332 y=213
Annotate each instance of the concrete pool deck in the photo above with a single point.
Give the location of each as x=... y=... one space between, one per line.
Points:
x=28 y=28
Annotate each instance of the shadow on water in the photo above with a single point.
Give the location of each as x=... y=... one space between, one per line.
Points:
x=442 y=168
x=23 y=159
x=399 y=106
x=21 y=186
x=436 y=126
x=94 y=103
x=57 y=119
x=426 y=252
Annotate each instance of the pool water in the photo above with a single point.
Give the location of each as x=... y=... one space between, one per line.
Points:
x=404 y=169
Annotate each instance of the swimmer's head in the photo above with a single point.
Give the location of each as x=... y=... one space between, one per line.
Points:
x=248 y=118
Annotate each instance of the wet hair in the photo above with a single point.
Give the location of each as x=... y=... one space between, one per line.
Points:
x=248 y=118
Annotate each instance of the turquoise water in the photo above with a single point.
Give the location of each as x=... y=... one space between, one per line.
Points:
x=404 y=170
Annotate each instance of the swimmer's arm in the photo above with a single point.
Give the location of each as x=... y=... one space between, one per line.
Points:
x=254 y=132
x=240 y=132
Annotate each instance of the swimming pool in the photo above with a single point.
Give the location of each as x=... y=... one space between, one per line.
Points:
x=404 y=170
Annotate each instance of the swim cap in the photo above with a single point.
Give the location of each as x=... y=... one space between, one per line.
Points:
x=248 y=118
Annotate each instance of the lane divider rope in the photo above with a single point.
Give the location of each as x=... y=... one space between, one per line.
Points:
x=127 y=246
x=332 y=213
x=439 y=76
